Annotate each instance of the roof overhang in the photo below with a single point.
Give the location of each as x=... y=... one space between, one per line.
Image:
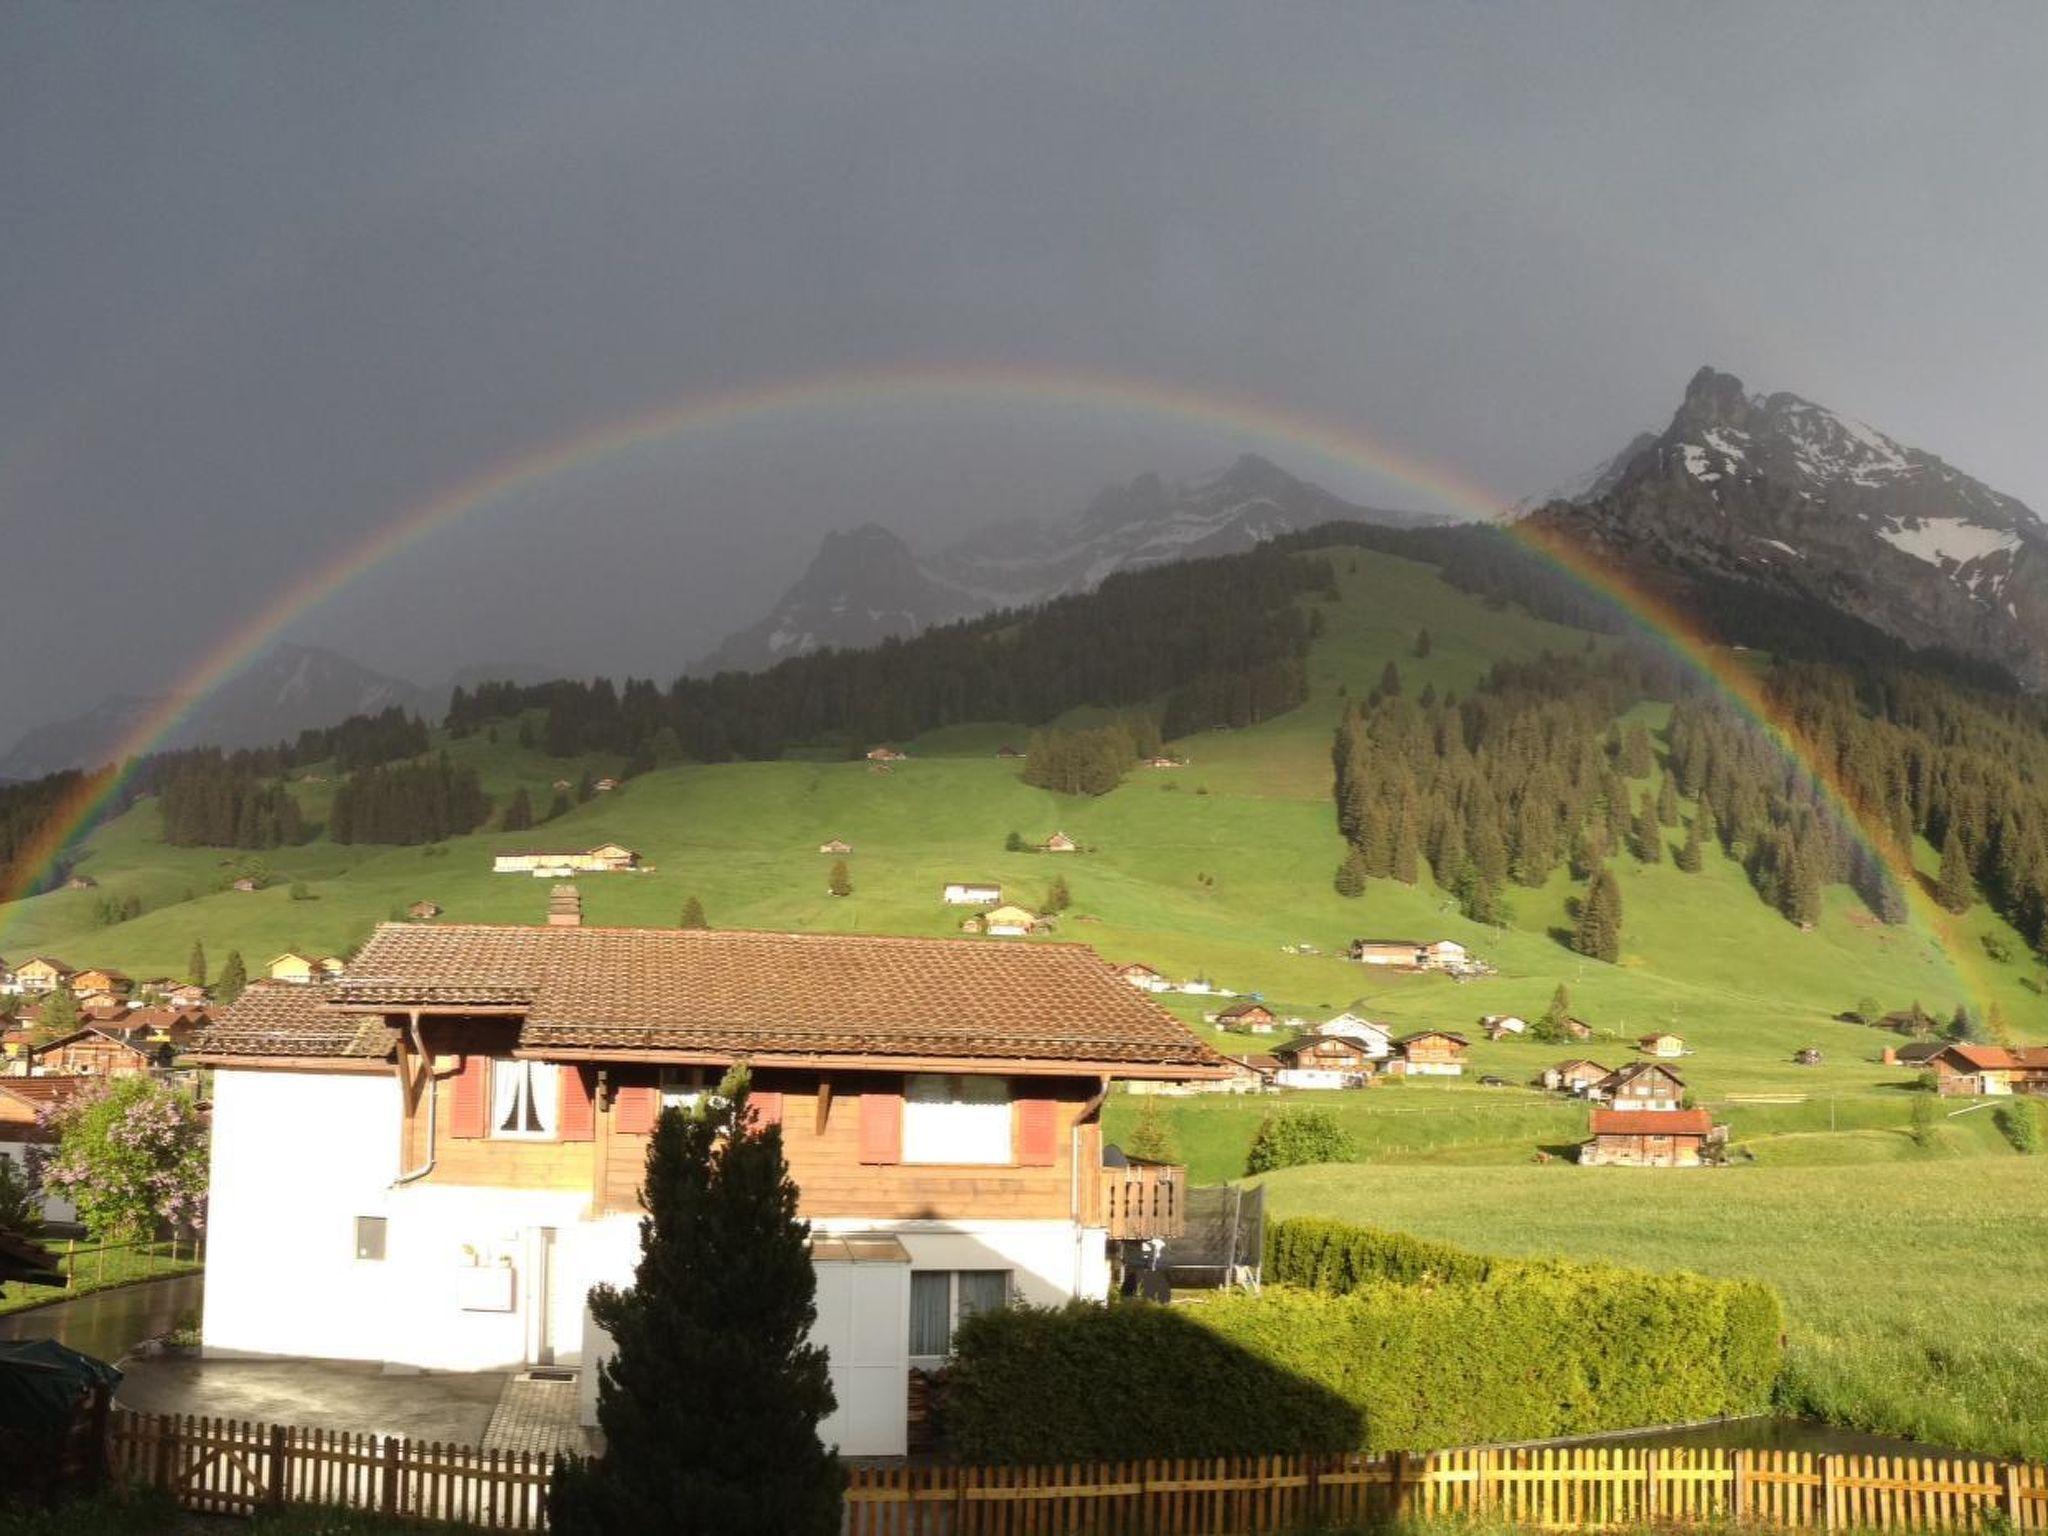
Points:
x=1022 y=1066
x=293 y=1063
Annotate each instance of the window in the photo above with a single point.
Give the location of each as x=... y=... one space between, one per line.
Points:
x=370 y=1238
x=956 y=1119
x=685 y=1088
x=523 y=1098
x=941 y=1298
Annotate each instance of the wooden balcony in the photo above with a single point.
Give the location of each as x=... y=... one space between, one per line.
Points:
x=1141 y=1202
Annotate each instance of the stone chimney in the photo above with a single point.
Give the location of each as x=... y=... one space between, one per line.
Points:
x=565 y=907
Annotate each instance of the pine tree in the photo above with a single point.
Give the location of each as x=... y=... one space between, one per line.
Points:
x=559 y=806
x=1422 y=643
x=1014 y=843
x=1598 y=931
x=1151 y=1139
x=711 y=1402
x=57 y=1015
x=195 y=964
x=1952 y=886
x=1649 y=837
x=1691 y=855
x=1667 y=802
x=1637 y=758
x=1390 y=681
x=693 y=915
x=841 y=881
x=1406 y=864
x=1351 y=877
x=1555 y=1025
x=234 y=977
x=519 y=813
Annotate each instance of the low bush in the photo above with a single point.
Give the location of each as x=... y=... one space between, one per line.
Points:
x=2020 y=1124
x=1290 y=1138
x=1323 y=1255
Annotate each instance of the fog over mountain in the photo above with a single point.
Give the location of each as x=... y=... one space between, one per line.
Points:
x=280 y=279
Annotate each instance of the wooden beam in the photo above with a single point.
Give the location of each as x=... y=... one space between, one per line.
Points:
x=824 y=1104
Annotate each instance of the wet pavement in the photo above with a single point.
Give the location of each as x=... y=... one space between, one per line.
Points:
x=107 y=1324
x=358 y=1396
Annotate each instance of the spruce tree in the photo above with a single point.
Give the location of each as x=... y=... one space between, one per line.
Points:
x=1667 y=802
x=1555 y=1025
x=1151 y=1139
x=693 y=915
x=840 y=882
x=195 y=964
x=1649 y=837
x=1351 y=877
x=711 y=1402
x=1598 y=931
x=1691 y=853
x=1390 y=682
x=234 y=977
x=519 y=813
x=1422 y=643
x=1952 y=886
x=559 y=806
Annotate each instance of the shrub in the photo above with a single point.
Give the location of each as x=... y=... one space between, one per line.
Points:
x=1293 y=1137
x=2019 y=1124
x=1318 y=1254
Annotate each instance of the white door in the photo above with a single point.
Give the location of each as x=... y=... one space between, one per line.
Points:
x=864 y=1325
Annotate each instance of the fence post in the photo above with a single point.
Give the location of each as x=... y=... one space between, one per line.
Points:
x=1397 y=1472
x=70 y=1262
x=1649 y=1487
x=278 y=1437
x=99 y=1272
x=1827 y=1492
x=1482 y=1488
x=2013 y=1508
x=1738 y=1486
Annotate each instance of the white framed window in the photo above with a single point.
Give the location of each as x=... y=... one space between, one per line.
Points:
x=525 y=1096
x=941 y=1298
x=685 y=1088
x=956 y=1118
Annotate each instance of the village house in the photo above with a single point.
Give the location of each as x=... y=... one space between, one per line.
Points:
x=1409 y=955
x=295 y=967
x=1059 y=842
x=95 y=1052
x=971 y=893
x=23 y=1103
x=1991 y=1070
x=1503 y=1026
x=81 y=883
x=886 y=754
x=1578 y=1076
x=1322 y=1061
x=98 y=979
x=1143 y=977
x=1376 y=1039
x=1665 y=1045
x=468 y=1109
x=1649 y=1138
x=1920 y=1054
x=554 y=863
x=1641 y=1085
x=1433 y=1053
x=1165 y=762
x=835 y=845
x=186 y=995
x=1002 y=922
x=605 y=785
x=1576 y=1028
x=244 y=883
x=1249 y=1018
x=422 y=911
x=41 y=973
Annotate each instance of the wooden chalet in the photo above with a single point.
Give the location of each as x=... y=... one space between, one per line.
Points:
x=1008 y=922
x=1919 y=1054
x=96 y=1052
x=835 y=845
x=423 y=911
x=1322 y=1061
x=1249 y=1017
x=1663 y=1044
x=1504 y=1026
x=42 y=973
x=1990 y=1070
x=98 y=979
x=1143 y=977
x=1433 y=1053
x=478 y=1100
x=1649 y=1138
x=1641 y=1085
x=1059 y=842
x=1377 y=1039
x=885 y=754
x=1577 y=1076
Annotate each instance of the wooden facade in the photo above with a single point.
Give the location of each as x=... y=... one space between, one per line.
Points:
x=90 y=1053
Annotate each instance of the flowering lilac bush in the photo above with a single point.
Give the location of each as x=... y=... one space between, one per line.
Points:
x=130 y=1154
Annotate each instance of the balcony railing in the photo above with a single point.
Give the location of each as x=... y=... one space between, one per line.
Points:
x=1149 y=1200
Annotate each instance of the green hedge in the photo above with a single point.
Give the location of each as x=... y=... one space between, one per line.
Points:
x=1324 y=1255
x=1440 y=1354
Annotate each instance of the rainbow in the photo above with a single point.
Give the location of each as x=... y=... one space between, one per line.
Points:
x=932 y=386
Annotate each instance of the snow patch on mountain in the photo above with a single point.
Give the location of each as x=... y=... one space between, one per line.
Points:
x=1949 y=539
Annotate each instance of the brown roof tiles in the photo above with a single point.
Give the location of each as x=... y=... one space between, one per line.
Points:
x=287 y=1018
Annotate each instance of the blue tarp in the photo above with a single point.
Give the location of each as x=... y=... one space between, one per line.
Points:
x=41 y=1382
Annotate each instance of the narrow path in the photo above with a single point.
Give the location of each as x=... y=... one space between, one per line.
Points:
x=107 y=1324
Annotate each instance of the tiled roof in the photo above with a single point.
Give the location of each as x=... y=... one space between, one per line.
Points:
x=1652 y=1122
x=44 y=1090
x=1999 y=1058
x=780 y=993
x=287 y=1018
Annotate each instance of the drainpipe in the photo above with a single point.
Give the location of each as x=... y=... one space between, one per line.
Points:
x=426 y=1066
x=1093 y=1106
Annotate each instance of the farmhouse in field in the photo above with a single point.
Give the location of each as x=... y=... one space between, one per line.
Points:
x=1059 y=842
x=1433 y=1053
x=1008 y=751
x=605 y=785
x=885 y=754
x=1649 y=1138
x=423 y=911
x=1252 y=1018
x=1920 y=1053
x=1503 y=1026
x=835 y=845
x=1663 y=1044
x=1641 y=1085
x=467 y=1113
x=554 y=863
x=1578 y=1076
x=1991 y=1070
x=1143 y=977
x=1376 y=1039
x=244 y=883
x=1410 y=955
x=1322 y=1061
x=971 y=893
x=1010 y=922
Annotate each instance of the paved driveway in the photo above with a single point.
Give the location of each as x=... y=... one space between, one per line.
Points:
x=323 y=1394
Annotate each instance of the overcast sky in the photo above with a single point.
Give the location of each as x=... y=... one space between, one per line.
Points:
x=273 y=275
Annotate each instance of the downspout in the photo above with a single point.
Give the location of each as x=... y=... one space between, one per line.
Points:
x=433 y=1099
x=1092 y=1107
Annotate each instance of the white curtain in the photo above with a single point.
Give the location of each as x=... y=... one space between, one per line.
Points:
x=956 y=1119
x=523 y=1098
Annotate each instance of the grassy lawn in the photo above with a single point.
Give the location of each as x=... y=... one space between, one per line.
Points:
x=1917 y=1291
x=97 y=1267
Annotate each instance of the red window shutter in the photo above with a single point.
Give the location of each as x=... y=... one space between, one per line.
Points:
x=636 y=1109
x=1038 y=1132
x=881 y=1127
x=767 y=1109
x=578 y=1119
x=471 y=1098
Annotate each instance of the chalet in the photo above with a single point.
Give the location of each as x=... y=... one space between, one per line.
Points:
x=554 y=863
x=293 y=966
x=1007 y=751
x=1376 y=1039
x=25 y=1104
x=1920 y=1054
x=1251 y=1018
x=1165 y=762
x=561 y=786
x=1433 y=1053
x=1577 y=1029
x=41 y=973
x=1444 y=955
x=244 y=883
x=103 y=1008
x=1649 y=1138
x=159 y=1026
x=467 y=1113
x=1991 y=1070
x=1322 y=1061
x=886 y=754
x=1143 y=977
x=1002 y=922
x=81 y=883
x=1503 y=1026
x=1807 y=1056
x=1666 y=1045
x=95 y=1052
x=1410 y=955
x=423 y=911
x=1640 y=1085
x=971 y=893
x=1578 y=1076
x=606 y=785
x=835 y=845
x=186 y=995
x=1059 y=842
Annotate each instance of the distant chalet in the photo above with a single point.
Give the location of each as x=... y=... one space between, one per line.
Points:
x=553 y=863
x=1409 y=954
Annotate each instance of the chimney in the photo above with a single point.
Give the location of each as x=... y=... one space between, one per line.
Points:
x=565 y=907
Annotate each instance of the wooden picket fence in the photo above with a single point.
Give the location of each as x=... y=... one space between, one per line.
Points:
x=229 y=1466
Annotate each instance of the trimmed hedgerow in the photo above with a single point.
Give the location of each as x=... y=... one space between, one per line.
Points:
x=1443 y=1353
x=1324 y=1255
